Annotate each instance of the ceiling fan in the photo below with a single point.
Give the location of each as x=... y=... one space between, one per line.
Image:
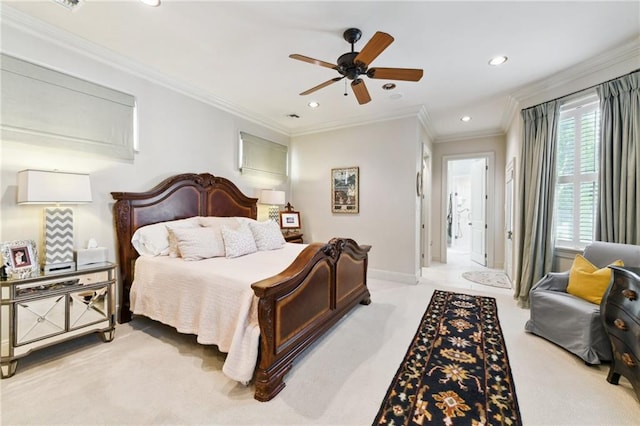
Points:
x=353 y=65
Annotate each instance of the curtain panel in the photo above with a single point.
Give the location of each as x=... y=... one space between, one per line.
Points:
x=619 y=179
x=536 y=185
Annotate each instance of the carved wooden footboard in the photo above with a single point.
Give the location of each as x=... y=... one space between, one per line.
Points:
x=295 y=307
x=298 y=305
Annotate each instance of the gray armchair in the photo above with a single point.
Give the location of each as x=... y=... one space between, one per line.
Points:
x=571 y=322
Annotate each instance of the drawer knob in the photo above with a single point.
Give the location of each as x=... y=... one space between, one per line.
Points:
x=630 y=294
x=620 y=324
x=628 y=360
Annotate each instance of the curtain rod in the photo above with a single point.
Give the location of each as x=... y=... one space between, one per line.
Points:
x=582 y=90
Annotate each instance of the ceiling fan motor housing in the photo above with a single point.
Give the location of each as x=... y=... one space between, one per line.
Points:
x=348 y=68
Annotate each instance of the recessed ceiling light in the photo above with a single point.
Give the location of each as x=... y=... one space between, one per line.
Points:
x=465 y=118
x=313 y=104
x=389 y=86
x=498 y=60
x=152 y=3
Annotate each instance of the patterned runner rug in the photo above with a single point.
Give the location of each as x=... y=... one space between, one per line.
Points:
x=456 y=370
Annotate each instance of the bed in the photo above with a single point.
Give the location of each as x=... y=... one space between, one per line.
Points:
x=293 y=307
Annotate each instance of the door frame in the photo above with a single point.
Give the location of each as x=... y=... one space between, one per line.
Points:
x=489 y=205
x=509 y=219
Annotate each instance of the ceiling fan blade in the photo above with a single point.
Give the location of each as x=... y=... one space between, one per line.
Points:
x=373 y=48
x=407 y=74
x=312 y=61
x=320 y=86
x=360 y=90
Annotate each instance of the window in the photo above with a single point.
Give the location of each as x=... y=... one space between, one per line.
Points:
x=577 y=158
x=47 y=107
x=263 y=159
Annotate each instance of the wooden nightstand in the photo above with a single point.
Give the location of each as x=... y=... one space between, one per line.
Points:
x=46 y=309
x=293 y=237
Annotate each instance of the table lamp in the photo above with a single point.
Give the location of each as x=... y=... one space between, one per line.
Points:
x=53 y=187
x=273 y=199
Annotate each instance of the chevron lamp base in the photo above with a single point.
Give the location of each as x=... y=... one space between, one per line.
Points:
x=58 y=240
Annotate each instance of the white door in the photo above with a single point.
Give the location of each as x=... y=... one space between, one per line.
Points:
x=478 y=211
x=508 y=220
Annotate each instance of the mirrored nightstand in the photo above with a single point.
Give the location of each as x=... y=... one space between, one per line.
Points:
x=47 y=309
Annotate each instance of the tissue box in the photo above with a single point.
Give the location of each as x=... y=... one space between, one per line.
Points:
x=92 y=255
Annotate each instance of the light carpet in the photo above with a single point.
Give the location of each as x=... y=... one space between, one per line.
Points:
x=151 y=375
x=490 y=278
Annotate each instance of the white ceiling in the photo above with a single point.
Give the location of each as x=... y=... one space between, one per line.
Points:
x=235 y=54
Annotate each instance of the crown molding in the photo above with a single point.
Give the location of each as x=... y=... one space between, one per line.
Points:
x=87 y=49
x=355 y=122
x=608 y=59
x=425 y=120
x=480 y=134
x=510 y=111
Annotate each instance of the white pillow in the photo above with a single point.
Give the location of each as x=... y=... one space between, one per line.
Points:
x=198 y=243
x=153 y=240
x=219 y=222
x=267 y=235
x=238 y=242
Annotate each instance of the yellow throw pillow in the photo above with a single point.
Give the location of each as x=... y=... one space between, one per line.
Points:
x=588 y=282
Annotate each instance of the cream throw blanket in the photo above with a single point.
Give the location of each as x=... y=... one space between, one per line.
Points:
x=212 y=299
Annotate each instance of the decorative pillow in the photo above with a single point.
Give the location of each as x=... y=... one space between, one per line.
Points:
x=153 y=240
x=198 y=243
x=588 y=282
x=267 y=235
x=238 y=242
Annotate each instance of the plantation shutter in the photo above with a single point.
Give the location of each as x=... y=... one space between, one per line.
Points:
x=577 y=173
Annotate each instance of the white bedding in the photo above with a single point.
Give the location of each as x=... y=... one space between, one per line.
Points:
x=210 y=298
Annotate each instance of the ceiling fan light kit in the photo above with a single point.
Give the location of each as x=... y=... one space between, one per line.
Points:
x=354 y=65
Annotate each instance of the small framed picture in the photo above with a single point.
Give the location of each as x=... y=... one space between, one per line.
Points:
x=344 y=190
x=290 y=220
x=19 y=258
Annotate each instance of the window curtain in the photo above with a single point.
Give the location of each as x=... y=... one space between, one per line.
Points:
x=536 y=184
x=619 y=195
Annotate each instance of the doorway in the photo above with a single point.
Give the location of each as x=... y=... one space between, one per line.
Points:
x=466 y=199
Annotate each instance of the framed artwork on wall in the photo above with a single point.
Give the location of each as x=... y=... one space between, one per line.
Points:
x=345 y=190
x=19 y=258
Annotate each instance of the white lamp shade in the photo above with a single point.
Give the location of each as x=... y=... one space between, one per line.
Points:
x=49 y=187
x=272 y=197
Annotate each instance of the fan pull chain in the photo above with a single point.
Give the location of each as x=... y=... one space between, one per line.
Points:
x=345 y=88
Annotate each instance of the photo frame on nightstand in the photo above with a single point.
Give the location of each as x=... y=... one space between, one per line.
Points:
x=290 y=220
x=20 y=258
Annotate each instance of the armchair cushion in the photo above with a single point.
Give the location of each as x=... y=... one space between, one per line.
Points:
x=588 y=282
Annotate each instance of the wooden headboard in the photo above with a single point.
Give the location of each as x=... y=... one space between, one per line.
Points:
x=178 y=197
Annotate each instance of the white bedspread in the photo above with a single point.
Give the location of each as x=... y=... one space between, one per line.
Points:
x=210 y=298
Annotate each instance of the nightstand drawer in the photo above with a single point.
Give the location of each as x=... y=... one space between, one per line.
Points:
x=39 y=318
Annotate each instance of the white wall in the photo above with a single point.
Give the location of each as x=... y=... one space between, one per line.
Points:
x=177 y=135
x=465 y=149
x=387 y=154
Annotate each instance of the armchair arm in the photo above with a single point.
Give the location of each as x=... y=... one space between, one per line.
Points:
x=553 y=281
